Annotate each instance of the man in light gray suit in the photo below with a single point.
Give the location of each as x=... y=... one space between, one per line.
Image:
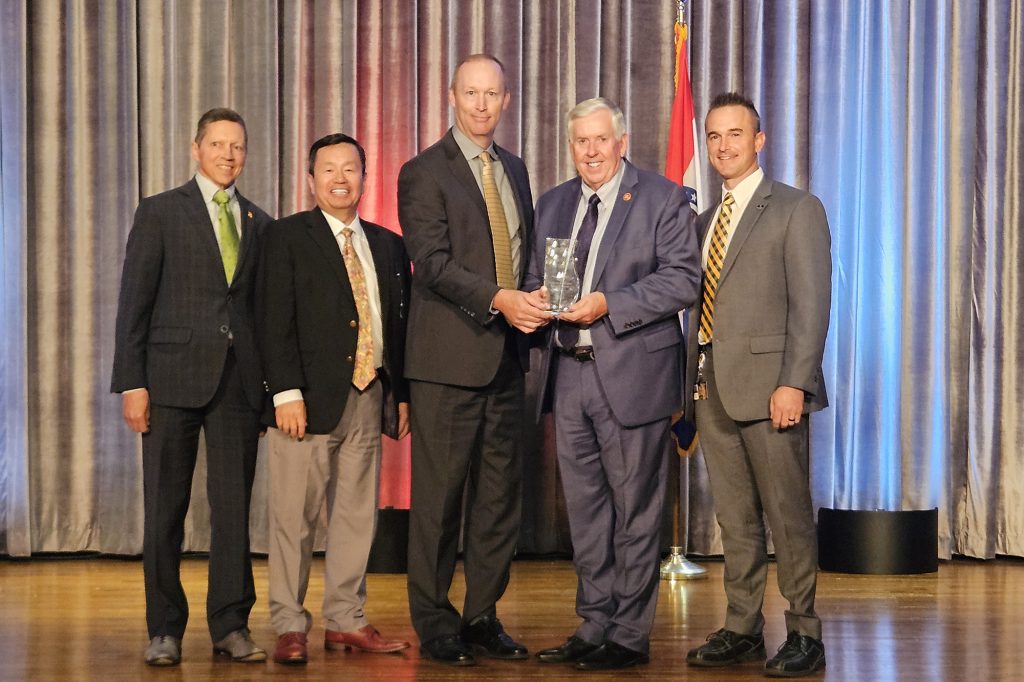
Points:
x=756 y=342
x=615 y=360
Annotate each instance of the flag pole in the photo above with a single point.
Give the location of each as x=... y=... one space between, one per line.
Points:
x=677 y=566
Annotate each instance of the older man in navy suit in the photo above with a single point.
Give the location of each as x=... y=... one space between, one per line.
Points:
x=185 y=359
x=614 y=362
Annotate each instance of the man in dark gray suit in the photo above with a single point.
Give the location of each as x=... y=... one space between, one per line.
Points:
x=185 y=360
x=756 y=342
x=466 y=213
x=616 y=358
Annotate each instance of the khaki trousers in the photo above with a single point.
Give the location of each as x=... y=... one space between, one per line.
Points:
x=343 y=469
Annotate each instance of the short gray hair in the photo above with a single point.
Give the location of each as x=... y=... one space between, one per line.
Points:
x=590 y=106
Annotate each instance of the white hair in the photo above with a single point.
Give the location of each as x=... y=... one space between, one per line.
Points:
x=590 y=106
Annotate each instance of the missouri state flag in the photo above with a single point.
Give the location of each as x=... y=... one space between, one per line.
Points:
x=681 y=162
x=683 y=168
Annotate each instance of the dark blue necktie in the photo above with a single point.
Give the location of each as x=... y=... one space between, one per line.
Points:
x=569 y=334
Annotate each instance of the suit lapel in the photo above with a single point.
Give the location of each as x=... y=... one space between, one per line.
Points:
x=381 y=263
x=620 y=209
x=199 y=218
x=567 y=210
x=459 y=167
x=245 y=247
x=320 y=232
x=513 y=182
x=752 y=214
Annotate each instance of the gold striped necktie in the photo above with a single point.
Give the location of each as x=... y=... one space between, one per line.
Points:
x=227 y=233
x=499 y=227
x=713 y=269
x=365 y=370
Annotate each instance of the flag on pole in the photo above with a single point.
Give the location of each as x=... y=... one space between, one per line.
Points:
x=681 y=162
x=682 y=167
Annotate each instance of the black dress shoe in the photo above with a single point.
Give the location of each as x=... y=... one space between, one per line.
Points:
x=726 y=647
x=573 y=650
x=488 y=638
x=800 y=655
x=448 y=649
x=610 y=656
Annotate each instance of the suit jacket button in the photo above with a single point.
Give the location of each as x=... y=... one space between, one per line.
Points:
x=353 y=324
x=223 y=329
x=349 y=359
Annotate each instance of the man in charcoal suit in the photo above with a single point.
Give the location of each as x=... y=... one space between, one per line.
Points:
x=756 y=341
x=332 y=297
x=186 y=359
x=615 y=360
x=466 y=213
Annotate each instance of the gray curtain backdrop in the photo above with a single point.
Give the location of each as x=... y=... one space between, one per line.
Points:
x=904 y=117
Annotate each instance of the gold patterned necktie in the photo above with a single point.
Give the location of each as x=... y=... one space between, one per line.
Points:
x=499 y=226
x=227 y=233
x=713 y=269
x=365 y=368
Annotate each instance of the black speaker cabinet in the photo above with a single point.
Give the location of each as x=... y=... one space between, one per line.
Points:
x=390 y=550
x=878 y=542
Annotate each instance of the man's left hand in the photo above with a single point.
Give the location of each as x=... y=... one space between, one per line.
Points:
x=524 y=311
x=587 y=310
x=403 y=420
x=786 y=407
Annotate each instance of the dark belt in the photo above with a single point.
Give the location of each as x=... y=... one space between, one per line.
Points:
x=580 y=353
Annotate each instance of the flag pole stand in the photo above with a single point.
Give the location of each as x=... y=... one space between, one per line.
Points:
x=677 y=566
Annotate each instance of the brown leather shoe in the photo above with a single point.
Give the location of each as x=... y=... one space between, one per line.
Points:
x=365 y=638
x=291 y=649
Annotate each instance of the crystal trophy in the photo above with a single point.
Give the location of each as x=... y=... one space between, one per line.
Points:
x=560 y=278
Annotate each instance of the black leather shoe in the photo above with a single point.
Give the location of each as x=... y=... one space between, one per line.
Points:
x=800 y=655
x=488 y=638
x=447 y=649
x=610 y=656
x=573 y=650
x=726 y=647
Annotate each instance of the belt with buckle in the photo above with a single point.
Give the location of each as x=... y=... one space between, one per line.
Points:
x=579 y=353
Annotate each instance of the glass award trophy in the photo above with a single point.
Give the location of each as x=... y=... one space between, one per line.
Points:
x=560 y=278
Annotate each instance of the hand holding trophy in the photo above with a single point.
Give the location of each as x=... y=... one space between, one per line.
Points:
x=560 y=277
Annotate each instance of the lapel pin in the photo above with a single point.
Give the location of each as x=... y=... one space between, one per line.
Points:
x=628 y=196
x=759 y=207
x=249 y=214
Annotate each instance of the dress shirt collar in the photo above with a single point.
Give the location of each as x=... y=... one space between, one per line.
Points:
x=606 y=192
x=337 y=225
x=743 y=192
x=471 y=149
x=208 y=188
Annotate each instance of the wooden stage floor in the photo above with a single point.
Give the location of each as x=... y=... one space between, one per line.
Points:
x=82 y=619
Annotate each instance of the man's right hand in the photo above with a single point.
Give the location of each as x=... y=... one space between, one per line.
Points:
x=291 y=418
x=526 y=312
x=135 y=408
